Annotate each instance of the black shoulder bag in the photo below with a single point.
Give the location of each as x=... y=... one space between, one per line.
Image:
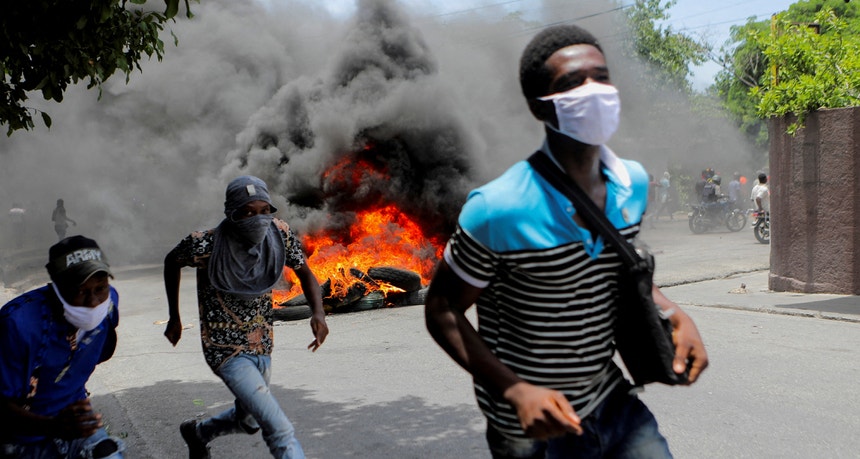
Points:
x=643 y=335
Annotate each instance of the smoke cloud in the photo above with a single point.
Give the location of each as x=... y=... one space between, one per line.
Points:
x=430 y=105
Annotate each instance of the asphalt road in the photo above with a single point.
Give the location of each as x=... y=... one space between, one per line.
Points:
x=779 y=386
x=683 y=257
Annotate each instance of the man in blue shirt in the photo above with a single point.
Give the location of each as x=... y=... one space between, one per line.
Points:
x=51 y=340
x=545 y=284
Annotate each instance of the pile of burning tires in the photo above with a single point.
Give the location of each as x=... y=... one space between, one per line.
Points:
x=370 y=290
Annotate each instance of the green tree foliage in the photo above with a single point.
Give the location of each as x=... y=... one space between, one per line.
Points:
x=670 y=53
x=47 y=44
x=664 y=100
x=813 y=65
x=743 y=68
x=805 y=11
x=747 y=68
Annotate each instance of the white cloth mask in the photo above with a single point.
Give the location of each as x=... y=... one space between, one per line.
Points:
x=83 y=317
x=588 y=113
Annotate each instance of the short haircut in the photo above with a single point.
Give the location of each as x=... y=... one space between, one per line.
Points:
x=534 y=75
x=762 y=178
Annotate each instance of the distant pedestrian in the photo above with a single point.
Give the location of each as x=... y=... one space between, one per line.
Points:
x=61 y=220
x=652 y=189
x=735 y=189
x=664 y=196
x=17 y=217
x=237 y=264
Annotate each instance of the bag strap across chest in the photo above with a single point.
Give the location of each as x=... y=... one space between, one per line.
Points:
x=587 y=209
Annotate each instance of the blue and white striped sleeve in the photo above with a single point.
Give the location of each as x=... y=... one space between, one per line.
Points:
x=467 y=252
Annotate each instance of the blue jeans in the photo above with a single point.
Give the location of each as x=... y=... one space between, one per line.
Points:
x=79 y=448
x=247 y=377
x=621 y=427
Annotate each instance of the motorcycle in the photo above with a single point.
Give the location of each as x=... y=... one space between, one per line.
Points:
x=761 y=227
x=705 y=216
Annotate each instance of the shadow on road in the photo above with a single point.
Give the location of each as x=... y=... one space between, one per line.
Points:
x=846 y=305
x=404 y=428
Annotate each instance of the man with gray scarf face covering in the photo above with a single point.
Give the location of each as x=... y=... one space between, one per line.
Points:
x=237 y=264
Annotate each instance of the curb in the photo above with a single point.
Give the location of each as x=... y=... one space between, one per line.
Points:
x=781 y=311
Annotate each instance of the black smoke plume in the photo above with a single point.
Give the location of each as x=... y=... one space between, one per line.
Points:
x=427 y=106
x=378 y=127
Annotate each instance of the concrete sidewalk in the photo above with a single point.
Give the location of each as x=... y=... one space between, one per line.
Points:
x=749 y=291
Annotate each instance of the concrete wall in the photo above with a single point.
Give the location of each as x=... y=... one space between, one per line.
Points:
x=815 y=203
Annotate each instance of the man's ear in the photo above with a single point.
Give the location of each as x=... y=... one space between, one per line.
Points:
x=543 y=110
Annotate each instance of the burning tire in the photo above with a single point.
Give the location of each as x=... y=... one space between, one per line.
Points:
x=400 y=278
x=373 y=300
x=292 y=312
x=415 y=297
x=412 y=298
x=296 y=300
x=344 y=302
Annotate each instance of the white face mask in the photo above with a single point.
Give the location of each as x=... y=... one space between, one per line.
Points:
x=83 y=317
x=588 y=113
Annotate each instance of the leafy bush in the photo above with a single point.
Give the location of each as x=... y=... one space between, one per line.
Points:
x=814 y=66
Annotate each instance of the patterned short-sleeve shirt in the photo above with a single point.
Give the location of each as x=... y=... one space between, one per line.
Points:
x=230 y=325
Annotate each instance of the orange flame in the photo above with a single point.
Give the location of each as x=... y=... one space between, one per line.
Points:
x=383 y=236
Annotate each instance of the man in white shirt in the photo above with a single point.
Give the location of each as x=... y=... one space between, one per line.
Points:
x=761 y=194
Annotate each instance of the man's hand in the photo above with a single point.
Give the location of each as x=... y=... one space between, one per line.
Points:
x=689 y=348
x=78 y=420
x=173 y=331
x=320 y=331
x=543 y=413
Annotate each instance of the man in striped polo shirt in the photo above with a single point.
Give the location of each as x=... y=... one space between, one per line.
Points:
x=545 y=285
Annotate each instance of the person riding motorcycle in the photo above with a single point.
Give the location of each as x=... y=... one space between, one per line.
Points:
x=715 y=210
x=760 y=196
x=711 y=197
